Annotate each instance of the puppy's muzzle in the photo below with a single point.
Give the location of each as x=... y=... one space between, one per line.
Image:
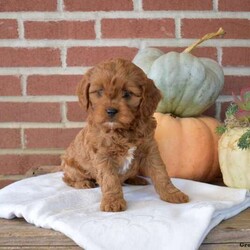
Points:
x=111 y=112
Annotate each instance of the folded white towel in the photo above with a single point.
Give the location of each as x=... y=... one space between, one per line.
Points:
x=148 y=222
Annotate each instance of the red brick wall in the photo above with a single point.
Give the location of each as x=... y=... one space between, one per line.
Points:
x=46 y=45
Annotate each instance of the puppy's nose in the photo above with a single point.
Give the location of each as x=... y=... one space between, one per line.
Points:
x=111 y=112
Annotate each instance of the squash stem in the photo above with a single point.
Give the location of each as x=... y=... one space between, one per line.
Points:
x=208 y=36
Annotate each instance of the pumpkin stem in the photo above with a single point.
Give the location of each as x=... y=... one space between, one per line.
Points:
x=208 y=36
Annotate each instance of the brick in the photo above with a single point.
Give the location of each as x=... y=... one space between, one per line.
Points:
x=11 y=164
x=59 y=30
x=89 y=56
x=29 y=112
x=29 y=57
x=177 y=5
x=4 y=183
x=50 y=138
x=211 y=111
x=75 y=113
x=27 y=5
x=234 y=5
x=10 y=86
x=205 y=52
x=235 y=28
x=52 y=84
x=8 y=29
x=236 y=56
x=10 y=138
x=198 y=52
x=138 y=28
x=98 y=5
x=235 y=84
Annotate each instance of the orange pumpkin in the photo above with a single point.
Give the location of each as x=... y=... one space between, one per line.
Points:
x=188 y=146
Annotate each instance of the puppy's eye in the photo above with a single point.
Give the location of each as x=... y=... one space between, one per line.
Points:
x=126 y=94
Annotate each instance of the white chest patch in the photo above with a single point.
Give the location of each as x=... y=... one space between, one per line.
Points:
x=128 y=160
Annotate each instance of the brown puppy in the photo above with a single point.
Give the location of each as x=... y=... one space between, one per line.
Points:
x=119 y=137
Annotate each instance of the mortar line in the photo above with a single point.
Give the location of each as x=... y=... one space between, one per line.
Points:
x=138 y=5
x=20 y=29
x=23 y=79
x=215 y=5
x=60 y=6
x=23 y=139
x=178 y=28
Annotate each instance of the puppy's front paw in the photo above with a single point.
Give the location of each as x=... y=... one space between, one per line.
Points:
x=176 y=197
x=113 y=205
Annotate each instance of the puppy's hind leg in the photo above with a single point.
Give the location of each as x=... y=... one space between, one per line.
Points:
x=157 y=171
x=137 y=180
x=81 y=184
x=76 y=177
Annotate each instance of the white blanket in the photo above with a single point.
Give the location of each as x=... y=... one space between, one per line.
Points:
x=148 y=222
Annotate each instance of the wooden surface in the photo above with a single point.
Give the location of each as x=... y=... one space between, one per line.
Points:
x=232 y=234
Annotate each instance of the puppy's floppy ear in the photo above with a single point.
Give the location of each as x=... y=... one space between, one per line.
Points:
x=150 y=98
x=83 y=92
